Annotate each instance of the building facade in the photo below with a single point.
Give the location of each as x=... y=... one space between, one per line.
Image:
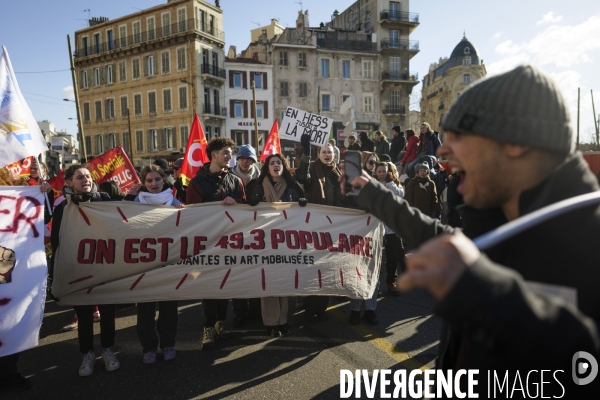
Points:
x=242 y=73
x=447 y=79
x=141 y=78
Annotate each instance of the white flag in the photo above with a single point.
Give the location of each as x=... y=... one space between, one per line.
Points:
x=20 y=135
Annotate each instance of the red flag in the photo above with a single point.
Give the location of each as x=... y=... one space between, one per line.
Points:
x=273 y=144
x=195 y=153
x=57 y=183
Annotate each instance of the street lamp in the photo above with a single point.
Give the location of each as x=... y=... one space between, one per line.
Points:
x=69 y=100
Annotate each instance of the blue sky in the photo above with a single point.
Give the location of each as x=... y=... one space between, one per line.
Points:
x=563 y=38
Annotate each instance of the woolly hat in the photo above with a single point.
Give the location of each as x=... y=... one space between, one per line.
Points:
x=396 y=128
x=523 y=107
x=162 y=163
x=424 y=166
x=178 y=162
x=247 y=151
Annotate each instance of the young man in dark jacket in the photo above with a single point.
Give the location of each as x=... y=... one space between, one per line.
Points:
x=500 y=309
x=398 y=144
x=215 y=182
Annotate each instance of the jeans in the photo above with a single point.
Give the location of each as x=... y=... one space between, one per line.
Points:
x=214 y=310
x=166 y=325
x=370 y=304
x=85 y=326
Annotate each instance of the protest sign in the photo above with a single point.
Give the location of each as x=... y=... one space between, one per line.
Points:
x=124 y=252
x=22 y=267
x=113 y=165
x=297 y=122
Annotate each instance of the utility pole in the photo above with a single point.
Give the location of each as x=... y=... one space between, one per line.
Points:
x=319 y=100
x=130 y=134
x=595 y=122
x=81 y=138
x=255 y=117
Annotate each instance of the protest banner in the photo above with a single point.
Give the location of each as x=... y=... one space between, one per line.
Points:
x=124 y=252
x=297 y=122
x=21 y=168
x=113 y=165
x=23 y=267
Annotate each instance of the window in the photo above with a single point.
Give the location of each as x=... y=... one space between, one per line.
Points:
x=152 y=103
x=367 y=103
x=302 y=60
x=98 y=110
x=166 y=63
x=183 y=99
x=86 y=112
x=258 y=80
x=137 y=104
x=181 y=19
x=88 y=145
x=367 y=69
x=239 y=138
x=466 y=61
x=122 y=71
x=126 y=142
x=184 y=134
x=466 y=78
x=218 y=132
x=152 y=139
x=238 y=110
x=139 y=141
x=395 y=101
x=211 y=24
x=259 y=110
x=394 y=38
x=96 y=76
x=283 y=89
x=110 y=74
x=325 y=68
x=283 y=58
x=112 y=140
x=166 y=24
x=150 y=66
x=216 y=101
x=170 y=138
x=237 y=79
x=394 y=63
x=97 y=43
x=84 y=79
x=180 y=58
x=110 y=109
x=99 y=142
x=202 y=19
x=303 y=89
x=467 y=50
x=123 y=35
x=85 y=45
x=110 y=39
x=124 y=106
x=345 y=69
x=135 y=66
x=167 y=100
x=151 y=27
x=325 y=102
x=137 y=32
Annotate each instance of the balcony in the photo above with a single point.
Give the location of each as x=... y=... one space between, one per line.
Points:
x=400 y=44
x=350 y=41
x=215 y=110
x=213 y=73
x=191 y=25
x=394 y=110
x=434 y=93
x=441 y=107
x=408 y=19
x=400 y=76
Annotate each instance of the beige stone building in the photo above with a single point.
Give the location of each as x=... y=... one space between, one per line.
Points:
x=447 y=79
x=162 y=64
x=268 y=31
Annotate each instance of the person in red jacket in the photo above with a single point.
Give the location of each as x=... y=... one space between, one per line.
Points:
x=412 y=142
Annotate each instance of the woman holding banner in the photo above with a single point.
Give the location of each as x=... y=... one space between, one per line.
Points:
x=276 y=184
x=154 y=191
x=81 y=188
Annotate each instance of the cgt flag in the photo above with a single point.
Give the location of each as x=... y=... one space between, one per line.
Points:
x=20 y=135
x=273 y=144
x=195 y=153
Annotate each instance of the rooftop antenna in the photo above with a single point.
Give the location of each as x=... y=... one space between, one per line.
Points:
x=88 y=11
x=299 y=2
x=256 y=23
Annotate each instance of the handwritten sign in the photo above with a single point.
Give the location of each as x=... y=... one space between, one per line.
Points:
x=297 y=122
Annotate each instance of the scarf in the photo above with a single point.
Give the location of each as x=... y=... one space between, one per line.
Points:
x=165 y=197
x=273 y=193
x=319 y=192
x=254 y=174
x=79 y=198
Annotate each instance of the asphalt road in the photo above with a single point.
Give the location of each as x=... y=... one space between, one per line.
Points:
x=304 y=364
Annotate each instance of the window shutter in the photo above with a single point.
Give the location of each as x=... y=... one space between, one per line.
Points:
x=264 y=80
x=162 y=142
x=251 y=78
x=245 y=102
x=81 y=83
x=230 y=78
x=149 y=140
x=231 y=108
x=145 y=60
x=265 y=109
x=102 y=75
x=244 y=80
x=89 y=77
x=117 y=139
x=252 y=109
x=114 y=73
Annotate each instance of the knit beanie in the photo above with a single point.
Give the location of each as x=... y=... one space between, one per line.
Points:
x=396 y=128
x=424 y=166
x=247 y=151
x=522 y=107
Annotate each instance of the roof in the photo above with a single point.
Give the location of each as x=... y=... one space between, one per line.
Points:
x=463 y=48
x=242 y=60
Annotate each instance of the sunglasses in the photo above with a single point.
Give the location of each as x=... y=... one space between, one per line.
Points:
x=371 y=162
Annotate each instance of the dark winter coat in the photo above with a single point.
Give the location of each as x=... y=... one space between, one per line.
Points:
x=397 y=146
x=422 y=194
x=366 y=144
x=382 y=147
x=206 y=187
x=293 y=192
x=308 y=176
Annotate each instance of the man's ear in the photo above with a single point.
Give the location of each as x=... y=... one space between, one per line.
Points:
x=516 y=151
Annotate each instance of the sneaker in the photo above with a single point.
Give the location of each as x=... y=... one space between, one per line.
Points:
x=393 y=290
x=355 y=317
x=220 y=330
x=87 y=365
x=370 y=317
x=273 y=331
x=284 y=329
x=71 y=326
x=169 y=353
x=208 y=338
x=149 y=358
x=110 y=360
x=15 y=382
x=322 y=316
x=96 y=316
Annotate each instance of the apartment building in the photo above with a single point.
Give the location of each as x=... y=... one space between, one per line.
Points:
x=151 y=70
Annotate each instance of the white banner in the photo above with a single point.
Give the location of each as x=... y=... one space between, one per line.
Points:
x=123 y=252
x=23 y=267
x=297 y=122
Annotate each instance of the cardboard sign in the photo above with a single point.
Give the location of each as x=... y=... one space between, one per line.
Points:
x=298 y=122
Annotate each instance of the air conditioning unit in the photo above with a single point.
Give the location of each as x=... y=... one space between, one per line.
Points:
x=182 y=150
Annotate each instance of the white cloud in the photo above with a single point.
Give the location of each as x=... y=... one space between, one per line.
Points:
x=68 y=92
x=549 y=18
x=497 y=35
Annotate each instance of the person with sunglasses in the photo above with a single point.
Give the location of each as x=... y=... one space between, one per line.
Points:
x=369 y=160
